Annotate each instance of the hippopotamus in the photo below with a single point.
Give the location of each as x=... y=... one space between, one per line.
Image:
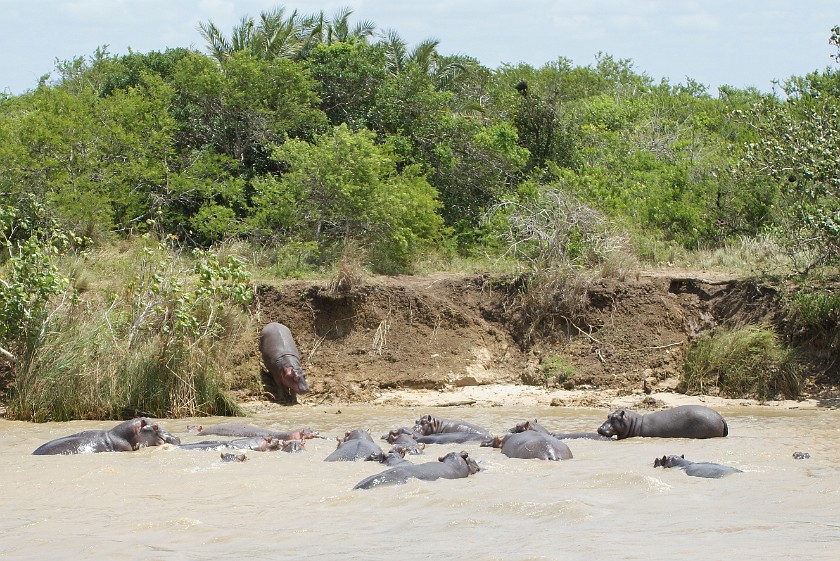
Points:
x=404 y=441
x=452 y=437
x=685 y=421
x=395 y=457
x=579 y=436
x=125 y=437
x=256 y=443
x=695 y=469
x=282 y=359
x=533 y=425
x=356 y=445
x=248 y=430
x=428 y=424
x=454 y=465
x=228 y=457
x=530 y=444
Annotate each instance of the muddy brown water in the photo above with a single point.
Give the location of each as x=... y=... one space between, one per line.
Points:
x=609 y=502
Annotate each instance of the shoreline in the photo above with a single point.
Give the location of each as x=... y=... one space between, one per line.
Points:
x=520 y=396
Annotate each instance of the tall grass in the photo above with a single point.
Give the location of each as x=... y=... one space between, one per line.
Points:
x=151 y=338
x=741 y=362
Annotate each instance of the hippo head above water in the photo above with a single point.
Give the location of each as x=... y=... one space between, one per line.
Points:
x=148 y=433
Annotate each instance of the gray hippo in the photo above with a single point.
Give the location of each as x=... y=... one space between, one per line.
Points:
x=428 y=424
x=695 y=469
x=356 y=445
x=282 y=359
x=255 y=443
x=395 y=457
x=229 y=457
x=530 y=444
x=685 y=421
x=125 y=437
x=454 y=465
x=404 y=441
x=452 y=437
x=532 y=424
x=248 y=430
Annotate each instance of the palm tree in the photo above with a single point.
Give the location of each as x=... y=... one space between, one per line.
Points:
x=444 y=70
x=322 y=31
x=275 y=36
x=278 y=36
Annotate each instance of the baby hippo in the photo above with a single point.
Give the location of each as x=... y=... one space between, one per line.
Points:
x=695 y=469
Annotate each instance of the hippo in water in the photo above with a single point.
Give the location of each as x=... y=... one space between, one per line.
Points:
x=533 y=425
x=125 y=437
x=282 y=359
x=256 y=443
x=404 y=441
x=530 y=444
x=454 y=465
x=229 y=457
x=428 y=424
x=685 y=421
x=248 y=430
x=695 y=469
x=356 y=445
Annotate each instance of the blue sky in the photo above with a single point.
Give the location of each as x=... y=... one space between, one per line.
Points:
x=742 y=43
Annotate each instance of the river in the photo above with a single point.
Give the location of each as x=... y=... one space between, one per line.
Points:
x=609 y=502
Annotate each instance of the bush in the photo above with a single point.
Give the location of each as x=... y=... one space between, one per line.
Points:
x=744 y=362
x=159 y=348
x=817 y=309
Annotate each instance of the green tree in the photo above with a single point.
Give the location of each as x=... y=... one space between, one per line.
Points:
x=798 y=140
x=350 y=76
x=345 y=188
x=93 y=158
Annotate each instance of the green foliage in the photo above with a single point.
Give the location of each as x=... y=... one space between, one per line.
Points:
x=819 y=308
x=29 y=277
x=159 y=345
x=797 y=142
x=242 y=106
x=555 y=368
x=744 y=362
x=346 y=188
x=349 y=77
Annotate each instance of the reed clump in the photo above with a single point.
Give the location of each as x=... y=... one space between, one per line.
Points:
x=741 y=362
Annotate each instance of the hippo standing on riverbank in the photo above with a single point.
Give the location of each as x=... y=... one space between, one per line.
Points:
x=454 y=465
x=282 y=359
x=127 y=436
x=684 y=421
x=695 y=469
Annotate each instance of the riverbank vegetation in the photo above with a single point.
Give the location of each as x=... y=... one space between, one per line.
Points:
x=142 y=193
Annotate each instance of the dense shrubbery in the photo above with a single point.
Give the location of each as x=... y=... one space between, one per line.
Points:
x=304 y=135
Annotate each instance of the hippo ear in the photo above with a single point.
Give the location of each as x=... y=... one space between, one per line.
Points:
x=621 y=413
x=682 y=456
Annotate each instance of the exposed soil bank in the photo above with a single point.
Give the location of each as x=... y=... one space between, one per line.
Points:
x=451 y=339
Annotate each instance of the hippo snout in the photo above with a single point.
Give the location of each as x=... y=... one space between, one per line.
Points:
x=169 y=438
